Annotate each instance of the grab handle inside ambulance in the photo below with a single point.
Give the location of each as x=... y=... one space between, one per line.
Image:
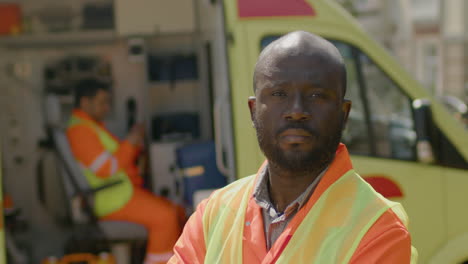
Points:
x=218 y=131
x=423 y=126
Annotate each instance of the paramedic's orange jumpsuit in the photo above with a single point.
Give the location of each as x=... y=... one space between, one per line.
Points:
x=161 y=218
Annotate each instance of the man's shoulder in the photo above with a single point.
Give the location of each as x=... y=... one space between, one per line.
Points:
x=79 y=130
x=78 y=125
x=395 y=212
x=233 y=187
x=227 y=193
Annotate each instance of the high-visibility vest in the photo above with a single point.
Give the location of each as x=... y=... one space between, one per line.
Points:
x=329 y=233
x=113 y=198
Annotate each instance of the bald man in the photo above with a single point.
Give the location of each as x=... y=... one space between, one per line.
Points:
x=306 y=204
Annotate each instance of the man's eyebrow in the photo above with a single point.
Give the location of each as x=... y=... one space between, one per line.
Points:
x=268 y=83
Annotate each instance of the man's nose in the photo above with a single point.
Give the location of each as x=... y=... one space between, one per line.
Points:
x=296 y=110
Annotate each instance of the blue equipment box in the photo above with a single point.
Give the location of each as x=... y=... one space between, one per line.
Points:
x=198 y=163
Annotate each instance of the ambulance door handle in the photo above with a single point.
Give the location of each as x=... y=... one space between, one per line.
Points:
x=217 y=116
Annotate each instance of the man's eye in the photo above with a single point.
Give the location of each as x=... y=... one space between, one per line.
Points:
x=278 y=93
x=317 y=95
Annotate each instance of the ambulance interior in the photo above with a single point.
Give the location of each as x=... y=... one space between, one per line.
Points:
x=165 y=63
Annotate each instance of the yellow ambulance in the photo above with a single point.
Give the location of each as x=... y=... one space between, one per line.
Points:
x=401 y=140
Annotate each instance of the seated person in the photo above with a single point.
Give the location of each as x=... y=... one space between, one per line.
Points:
x=104 y=159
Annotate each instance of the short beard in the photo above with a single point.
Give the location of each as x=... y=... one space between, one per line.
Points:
x=299 y=162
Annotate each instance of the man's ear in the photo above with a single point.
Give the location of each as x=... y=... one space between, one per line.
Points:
x=346 y=108
x=252 y=104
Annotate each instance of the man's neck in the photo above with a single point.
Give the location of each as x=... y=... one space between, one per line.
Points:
x=88 y=115
x=285 y=186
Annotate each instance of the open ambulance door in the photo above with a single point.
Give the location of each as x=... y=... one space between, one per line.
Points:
x=215 y=76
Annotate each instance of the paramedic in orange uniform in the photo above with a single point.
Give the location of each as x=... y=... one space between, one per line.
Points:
x=306 y=204
x=103 y=157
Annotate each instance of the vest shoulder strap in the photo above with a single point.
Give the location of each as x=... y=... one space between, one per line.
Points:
x=110 y=143
x=74 y=121
x=226 y=208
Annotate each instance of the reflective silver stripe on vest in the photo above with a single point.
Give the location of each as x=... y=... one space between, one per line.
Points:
x=114 y=165
x=100 y=161
x=153 y=258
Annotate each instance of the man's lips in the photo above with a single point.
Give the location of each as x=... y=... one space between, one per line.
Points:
x=295 y=136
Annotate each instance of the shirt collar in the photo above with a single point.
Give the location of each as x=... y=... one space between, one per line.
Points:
x=262 y=196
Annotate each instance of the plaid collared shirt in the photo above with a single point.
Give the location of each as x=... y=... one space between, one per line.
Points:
x=275 y=222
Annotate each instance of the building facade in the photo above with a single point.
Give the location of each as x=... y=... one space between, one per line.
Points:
x=429 y=37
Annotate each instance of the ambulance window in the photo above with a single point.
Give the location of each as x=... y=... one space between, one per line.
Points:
x=382 y=114
x=390 y=113
x=267 y=40
x=356 y=133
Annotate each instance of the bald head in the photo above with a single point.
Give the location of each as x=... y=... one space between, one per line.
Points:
x=303 y=46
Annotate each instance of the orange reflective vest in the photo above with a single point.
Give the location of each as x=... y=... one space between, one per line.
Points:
x=328 y=229
x=113 y=198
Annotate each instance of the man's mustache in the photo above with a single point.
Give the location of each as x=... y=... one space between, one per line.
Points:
x=302 y=126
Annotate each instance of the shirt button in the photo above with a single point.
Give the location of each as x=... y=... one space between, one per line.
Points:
x=247 y=223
